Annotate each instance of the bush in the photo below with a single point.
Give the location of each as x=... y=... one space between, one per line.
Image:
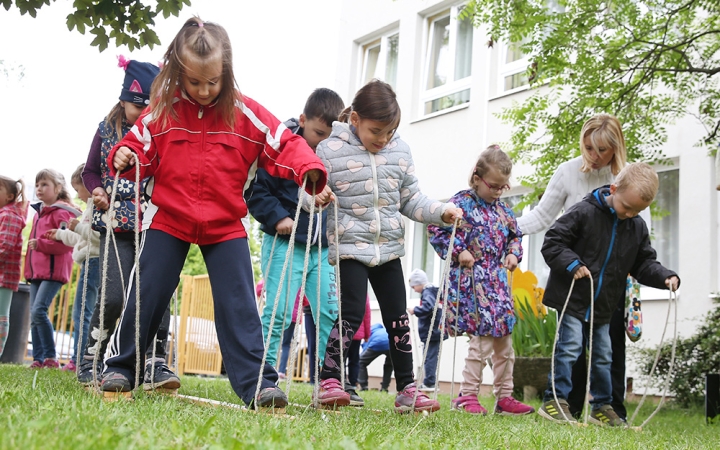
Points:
x=695 y=357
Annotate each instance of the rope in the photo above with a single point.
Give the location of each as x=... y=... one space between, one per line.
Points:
x=288 y=255
x=444 y=283
x=137 y=274
x=672 y=297
x=301 y=294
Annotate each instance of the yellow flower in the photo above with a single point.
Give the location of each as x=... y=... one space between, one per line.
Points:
x=526 y=292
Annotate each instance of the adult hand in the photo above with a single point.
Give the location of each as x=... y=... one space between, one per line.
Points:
x=581 y=273
x=511 y=262
x=284 y=226
x=123 y=158
x=100 y=198
x=466 y=259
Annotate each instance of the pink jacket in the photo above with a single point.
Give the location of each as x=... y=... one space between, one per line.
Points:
x=364 y=330
x=12 y=222
x=51 y=260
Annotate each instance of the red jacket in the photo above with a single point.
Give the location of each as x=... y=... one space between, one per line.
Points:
x=201 y=169
x=12 y=222
x=51 y=260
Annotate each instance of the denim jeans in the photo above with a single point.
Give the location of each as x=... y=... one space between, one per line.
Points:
x=431 y=362
x=569 y=346
x=93 y=282
x=42 y=293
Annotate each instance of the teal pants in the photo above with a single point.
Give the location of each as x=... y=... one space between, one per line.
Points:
x=328 y=310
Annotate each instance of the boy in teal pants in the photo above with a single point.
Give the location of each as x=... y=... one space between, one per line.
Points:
x=273 y=202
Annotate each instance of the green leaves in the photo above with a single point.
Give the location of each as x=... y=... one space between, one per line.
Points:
x=533 y=335
x=648 y=62
x=127 y=22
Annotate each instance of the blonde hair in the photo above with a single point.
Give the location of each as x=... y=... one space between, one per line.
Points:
x=115 y=121
x=14 y=187
x=641 y=177
x=57 y=179
x=604 y=130
x=492 y=156
x=203 y=42
x=76 y=177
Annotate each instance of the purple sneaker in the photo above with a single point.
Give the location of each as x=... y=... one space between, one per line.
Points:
x=469 y=404
x=404 y=401
x=508 y=406
x=332 y=394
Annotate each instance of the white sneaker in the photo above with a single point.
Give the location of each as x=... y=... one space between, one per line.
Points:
x=424 y=388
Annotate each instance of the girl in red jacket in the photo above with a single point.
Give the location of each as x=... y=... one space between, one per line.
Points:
x=200 y=141
x=13 y=211
x=48 y=262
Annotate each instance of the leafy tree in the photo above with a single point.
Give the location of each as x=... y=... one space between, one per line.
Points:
x=648 y=62
x=128 y=22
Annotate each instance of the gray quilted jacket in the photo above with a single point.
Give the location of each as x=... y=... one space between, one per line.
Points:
x=373 y=191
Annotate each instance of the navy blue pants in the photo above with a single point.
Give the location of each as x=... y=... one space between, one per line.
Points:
x=162 y=257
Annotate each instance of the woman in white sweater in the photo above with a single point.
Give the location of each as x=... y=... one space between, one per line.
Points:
x=603 y=155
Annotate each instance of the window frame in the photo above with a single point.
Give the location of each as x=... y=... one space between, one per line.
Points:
x=452 y=86
x=380 y=40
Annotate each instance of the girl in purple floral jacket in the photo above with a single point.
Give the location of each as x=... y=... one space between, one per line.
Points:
x=487 y=242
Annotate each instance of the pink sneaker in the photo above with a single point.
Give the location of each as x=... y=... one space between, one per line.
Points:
x=508 y=406
x=50 y=364
x=469 y=404
x=332 y=394
x=36 y=364
x=69 y=367
x=404 y=401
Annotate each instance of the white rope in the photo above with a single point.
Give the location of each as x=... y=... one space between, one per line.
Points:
x=301 y=294
x=672 y=298
x=444 y=283
x=137 y=273
x=288 y=255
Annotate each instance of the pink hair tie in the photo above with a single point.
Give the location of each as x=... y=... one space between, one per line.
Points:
x=122 y=62
x=200 y=24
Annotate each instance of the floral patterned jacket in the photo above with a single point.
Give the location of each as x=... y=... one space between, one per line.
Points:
x=479 y=300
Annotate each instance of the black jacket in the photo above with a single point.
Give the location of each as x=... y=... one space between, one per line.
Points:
x=424 y=314
x=270 y=199
x=590 y=234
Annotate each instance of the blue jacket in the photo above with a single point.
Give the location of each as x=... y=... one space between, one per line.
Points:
x=271 y=199
x=424 y=314
x=378 y=339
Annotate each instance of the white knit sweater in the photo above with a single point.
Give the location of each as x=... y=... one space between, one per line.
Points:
x=567 y=186
x=84 y=239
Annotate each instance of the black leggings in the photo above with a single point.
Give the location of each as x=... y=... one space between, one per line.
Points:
x=388 y=283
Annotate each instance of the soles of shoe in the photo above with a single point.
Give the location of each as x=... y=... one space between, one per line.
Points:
x=357 y=404
x=508 y=413
x=114 y=396
x=168 y=386
x=410 y=409
x=547 y=416
x=333 y=403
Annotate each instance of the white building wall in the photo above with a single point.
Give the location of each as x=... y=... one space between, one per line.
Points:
x=445 y=148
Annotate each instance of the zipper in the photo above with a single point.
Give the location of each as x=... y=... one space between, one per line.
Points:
x=604 y=266
x=200 y=175
x=376 y=206
x=200 y=112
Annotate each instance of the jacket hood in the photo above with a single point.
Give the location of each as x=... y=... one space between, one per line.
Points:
x=293 y=125
x=57 y=205
x=598 y=198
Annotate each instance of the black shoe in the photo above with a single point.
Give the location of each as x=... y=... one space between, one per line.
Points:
x=271 y=397
x=85 y=372
x=163 y=377
x=355 y=399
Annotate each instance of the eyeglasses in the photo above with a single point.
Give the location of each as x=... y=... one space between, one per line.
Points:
x=494 y=188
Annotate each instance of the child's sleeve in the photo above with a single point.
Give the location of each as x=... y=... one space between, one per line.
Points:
x=647 y=269
x=514 y=239
x=140 y=141
x=427 y=303
x=285 y=154
x=10 y=234
x=68 y=237
x=50 y=246
x=440 y=236
x=261 y=201
x=92 y=173
x=413 y=203
x=560 y=239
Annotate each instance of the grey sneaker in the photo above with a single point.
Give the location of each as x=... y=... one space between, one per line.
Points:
x=115 y=382
x=557 y=412
x=355 y=399
x=164 y=378
x=606 y=416
x=271 y=397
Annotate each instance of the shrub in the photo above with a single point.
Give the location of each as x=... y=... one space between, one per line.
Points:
x=695 y=357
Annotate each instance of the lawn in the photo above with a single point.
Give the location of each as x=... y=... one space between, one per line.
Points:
x=48 y=409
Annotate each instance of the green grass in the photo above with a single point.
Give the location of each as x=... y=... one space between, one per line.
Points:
x=52 y=411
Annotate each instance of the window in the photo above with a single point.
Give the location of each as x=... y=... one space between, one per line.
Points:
x=380 y=59
x=513 y=67
x=448 y=66
x=666 y=229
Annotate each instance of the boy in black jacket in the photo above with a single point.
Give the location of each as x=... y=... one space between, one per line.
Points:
x=600 y=237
